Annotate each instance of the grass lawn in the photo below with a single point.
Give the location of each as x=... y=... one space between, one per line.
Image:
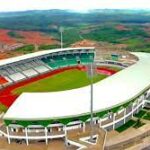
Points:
x=138 y=124
x=144 y=114
x=126 y=126
x=146 y=109
x=66 y=80
x=25 y=49
x=147 y=116
x=2 y=108
x=140 y=114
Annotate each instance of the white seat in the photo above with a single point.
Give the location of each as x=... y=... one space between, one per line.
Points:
x=41 y=69
x=17 y=76
x=29 y=72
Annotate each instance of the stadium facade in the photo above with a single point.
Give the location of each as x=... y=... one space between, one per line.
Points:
x=44 y=116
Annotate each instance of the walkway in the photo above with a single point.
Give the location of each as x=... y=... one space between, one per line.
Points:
x=76 y=135
x=128 y=138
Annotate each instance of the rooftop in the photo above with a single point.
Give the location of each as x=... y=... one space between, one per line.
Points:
x=116 y=89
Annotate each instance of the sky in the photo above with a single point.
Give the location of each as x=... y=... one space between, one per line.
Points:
x=78 y=5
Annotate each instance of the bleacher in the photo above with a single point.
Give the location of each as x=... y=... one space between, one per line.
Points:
x=87 y=58
x=68 y=59
x=30 y=72
x=21 y=71
x=28 y=68
x=41 y=69
x=17 y=76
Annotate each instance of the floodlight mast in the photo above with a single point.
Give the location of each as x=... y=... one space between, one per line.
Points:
x=61 y=36
x=91 y=103
x=90 y=72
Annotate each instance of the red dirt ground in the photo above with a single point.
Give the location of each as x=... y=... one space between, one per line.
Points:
x=85 y=43
x=5 y=38
x=122 y=28
x=4 y=55
x=29 y=37
x=147 y=29
x=32 y=37
x=7 y=98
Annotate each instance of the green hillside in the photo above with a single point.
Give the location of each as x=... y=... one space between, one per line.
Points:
x=98 y=25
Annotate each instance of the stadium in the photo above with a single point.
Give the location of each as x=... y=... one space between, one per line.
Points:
x=43 y=106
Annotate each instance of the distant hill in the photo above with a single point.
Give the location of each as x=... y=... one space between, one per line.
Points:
x=43 y=20
x=130 y=28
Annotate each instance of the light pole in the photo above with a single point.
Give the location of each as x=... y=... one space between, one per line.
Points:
x=91 y=67
x=61 y=36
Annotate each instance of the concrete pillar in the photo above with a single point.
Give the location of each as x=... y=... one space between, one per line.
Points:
x=65 y=130
x=83 y=127
x=26 y=133
x=50 y=129
x=17 y=130
x=8 y=135
x=46 y=139
x=12 y=129
x=137 y=110
x=80 y=125
x=66 y=139
x=125 y=115
x=113 y=115
x=132 y=110
x=100 y=122
x=109 y=116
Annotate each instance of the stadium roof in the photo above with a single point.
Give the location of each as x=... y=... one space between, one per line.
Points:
x=114 y=90
x=37 y=54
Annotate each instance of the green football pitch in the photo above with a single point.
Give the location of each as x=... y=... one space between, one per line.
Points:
x=69 y=79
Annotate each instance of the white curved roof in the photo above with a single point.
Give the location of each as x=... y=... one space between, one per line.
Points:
x=36 y=54
x=109 y=92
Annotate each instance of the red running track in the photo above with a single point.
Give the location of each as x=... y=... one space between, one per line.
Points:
x=2 y=80
x=106 y=71
x=101 y=70
x=7 y=97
